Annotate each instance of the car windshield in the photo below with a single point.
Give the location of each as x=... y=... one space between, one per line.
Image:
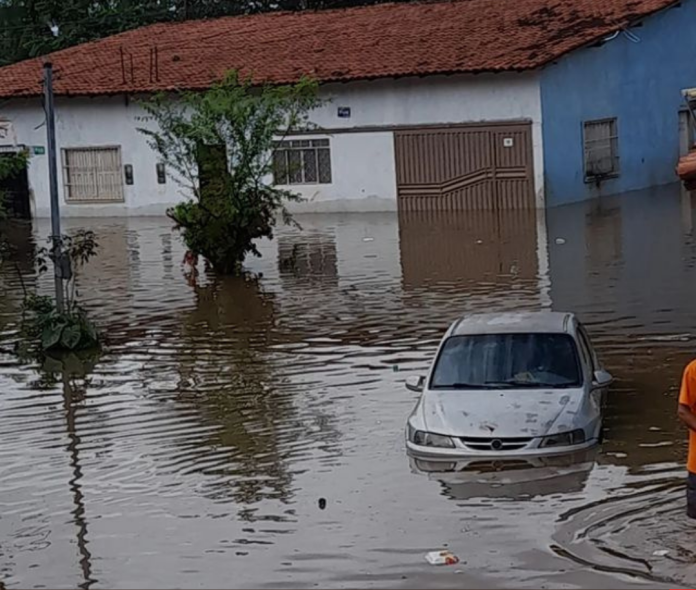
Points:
x=495 y=361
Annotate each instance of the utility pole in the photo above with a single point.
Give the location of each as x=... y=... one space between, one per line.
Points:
x=53 y=183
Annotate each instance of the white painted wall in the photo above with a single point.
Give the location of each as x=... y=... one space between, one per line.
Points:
x=363 y=167
x=364 y=164
x=84 y=122
x=363 y=172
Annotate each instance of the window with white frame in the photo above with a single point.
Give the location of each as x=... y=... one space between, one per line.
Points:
x=601 y=144
x=93 y=175
x=302 y=161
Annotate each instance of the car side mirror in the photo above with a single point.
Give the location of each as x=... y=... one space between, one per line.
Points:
x=602 y=378
x=415 y=383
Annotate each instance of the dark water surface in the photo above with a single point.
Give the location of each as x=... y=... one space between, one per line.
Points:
x=195 y=451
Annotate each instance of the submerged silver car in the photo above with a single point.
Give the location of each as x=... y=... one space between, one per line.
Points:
x=509 y=385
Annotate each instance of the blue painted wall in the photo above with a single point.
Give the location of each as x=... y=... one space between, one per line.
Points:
x=640 y=84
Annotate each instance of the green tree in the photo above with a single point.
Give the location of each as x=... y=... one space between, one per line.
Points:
x=29 y=28
x=218 y=144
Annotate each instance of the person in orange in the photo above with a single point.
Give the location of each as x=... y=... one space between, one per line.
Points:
x=687 y=414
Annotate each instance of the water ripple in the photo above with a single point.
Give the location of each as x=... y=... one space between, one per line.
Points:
x=196 y=449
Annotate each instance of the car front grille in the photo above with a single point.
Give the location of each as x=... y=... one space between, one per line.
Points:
x=495 y=444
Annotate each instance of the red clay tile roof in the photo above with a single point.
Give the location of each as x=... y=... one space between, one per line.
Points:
x=387 y=40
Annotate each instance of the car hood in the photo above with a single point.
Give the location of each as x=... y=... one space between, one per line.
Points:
x=506 y=413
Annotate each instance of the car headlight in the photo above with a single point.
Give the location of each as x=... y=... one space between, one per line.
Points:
x=428 y=439
x=564 y=439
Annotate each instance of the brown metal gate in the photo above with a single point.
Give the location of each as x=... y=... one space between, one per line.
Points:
x=485 y=167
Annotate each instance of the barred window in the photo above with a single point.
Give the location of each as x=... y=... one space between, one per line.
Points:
x=93 y=175
x=601 y=141
x=302 y=161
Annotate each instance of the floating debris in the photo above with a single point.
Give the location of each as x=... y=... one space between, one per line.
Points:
x=668 y=338
x=441 y=558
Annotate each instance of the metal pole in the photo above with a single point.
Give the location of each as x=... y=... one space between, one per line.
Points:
x=53 y=182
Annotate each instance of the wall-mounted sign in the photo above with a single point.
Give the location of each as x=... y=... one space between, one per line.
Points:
x=508 y=142
x=38 y=150
x=344 y=112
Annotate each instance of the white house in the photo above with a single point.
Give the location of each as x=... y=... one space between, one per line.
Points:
x=431 y=105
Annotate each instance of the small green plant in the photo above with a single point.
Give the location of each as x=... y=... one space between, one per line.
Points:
x=54 y=330
x=69 y=328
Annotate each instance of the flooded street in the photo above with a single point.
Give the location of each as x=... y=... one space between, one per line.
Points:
x=195 y=451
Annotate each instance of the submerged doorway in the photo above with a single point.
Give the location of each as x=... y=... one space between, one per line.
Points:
x=14 y=191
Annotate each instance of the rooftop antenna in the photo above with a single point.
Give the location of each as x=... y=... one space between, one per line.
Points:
x=152 y=62
x=123 y=65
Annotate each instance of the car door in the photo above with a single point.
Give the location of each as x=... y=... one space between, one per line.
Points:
x=589 y=353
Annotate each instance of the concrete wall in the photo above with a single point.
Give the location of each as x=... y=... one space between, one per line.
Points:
x=639 y=81
x=85 y=122
x=363 y=174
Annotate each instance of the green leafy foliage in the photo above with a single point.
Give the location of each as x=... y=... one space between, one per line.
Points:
x=78 y=249
x=25 y=25
x=44 y=324
x=218 y=145
x=10 y=164
x=54 y=330
x=4 y=249
x=70 y=337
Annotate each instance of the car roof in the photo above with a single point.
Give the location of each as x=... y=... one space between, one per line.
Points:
x=514 y=323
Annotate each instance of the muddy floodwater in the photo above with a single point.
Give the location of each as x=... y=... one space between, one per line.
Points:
x=239 y=433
